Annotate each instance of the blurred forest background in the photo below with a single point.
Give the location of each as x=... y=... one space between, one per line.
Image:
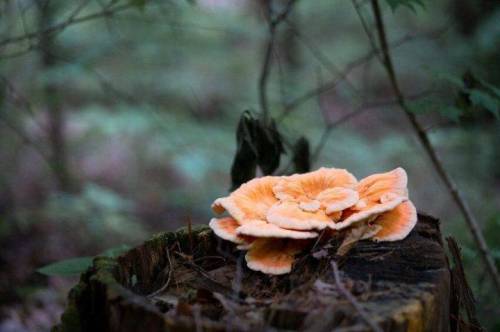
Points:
x=118 y=119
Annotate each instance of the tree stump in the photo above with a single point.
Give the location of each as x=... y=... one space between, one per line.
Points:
x=193 y=281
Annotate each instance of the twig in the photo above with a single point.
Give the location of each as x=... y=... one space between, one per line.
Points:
x=361 y=109
x=366 y=28
x=61 y=26
x=165 y=285
x=297 y=101
x=436 y=162
x=273 y=23
x=362 y=313
x=190 y=234
x=321 y=57
x=461 y=290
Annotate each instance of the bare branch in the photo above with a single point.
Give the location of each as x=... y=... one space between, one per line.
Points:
x=73 y=19
x=431 y=153
x=273 y=23
x=349 y=297
x=342 y=76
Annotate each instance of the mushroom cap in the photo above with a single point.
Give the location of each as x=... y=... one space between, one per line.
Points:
x=225 y=228
x=217 y=206
x=250 y=201
x=383 y=186
x=311 y=184
x=337 y=199
x=262 y=229
x=335 y=216
x=369 y=212
x=397 y=223
x=273 y=256
x=289 y=215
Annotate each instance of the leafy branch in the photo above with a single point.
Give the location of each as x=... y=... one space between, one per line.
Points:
x=429 y=149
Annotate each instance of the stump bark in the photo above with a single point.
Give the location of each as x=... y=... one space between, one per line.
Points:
x=193 y=281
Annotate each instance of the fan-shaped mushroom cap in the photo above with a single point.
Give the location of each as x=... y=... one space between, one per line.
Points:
x=273 y=256
x=335 y=216
x=378 y=193
x=262 y=229
x=337 y=199
x=289 y=215
x=397 y=223
x=217 y=207
x=225 y=228
x=368 y=212
x=383 y=186
x=250 y=201
x=310 y=185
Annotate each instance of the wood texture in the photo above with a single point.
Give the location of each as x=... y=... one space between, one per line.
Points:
x=205 y=286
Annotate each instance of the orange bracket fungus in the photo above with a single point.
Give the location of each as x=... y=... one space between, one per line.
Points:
x=275 y=217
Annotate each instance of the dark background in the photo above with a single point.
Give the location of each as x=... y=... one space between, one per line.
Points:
x=121 y=125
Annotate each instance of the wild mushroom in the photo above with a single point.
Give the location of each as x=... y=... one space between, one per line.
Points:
x=250 y=202
x=396 y=224
x=378 y=193
x=273 y=256
x=248 y=207
x=274 y=218
x=225 y=228
x=262 y=229
x=289 y=215
x=308 y=199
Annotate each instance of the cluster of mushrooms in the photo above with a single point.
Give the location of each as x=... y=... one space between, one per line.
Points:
x=275 y=217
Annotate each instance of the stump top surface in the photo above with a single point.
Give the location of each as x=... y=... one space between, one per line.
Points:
x=183 y=281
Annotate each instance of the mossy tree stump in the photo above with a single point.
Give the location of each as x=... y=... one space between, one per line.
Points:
x=192 y=281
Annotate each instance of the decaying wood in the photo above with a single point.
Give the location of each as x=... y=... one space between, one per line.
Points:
x=169 y=285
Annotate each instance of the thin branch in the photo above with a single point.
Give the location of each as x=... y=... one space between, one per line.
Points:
x=349 y=297
x=361 y=109
x=320 y=56
x=433 y=156
x=273 y=23
x=329 y=85
x=109 y=11
x=30 y=142
x=169 y=277
x=366 y=28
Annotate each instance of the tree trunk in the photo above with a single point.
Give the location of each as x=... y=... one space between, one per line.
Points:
x=192 y=281
x=46 y=12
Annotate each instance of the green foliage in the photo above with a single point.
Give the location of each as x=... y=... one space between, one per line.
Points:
x=486 y=101
x=98 y=210
x=432 y=105
x=75 y=266
x=472 y=96
x=139 y=4
x=67 y=267
x=411 y=4
x=116 y=251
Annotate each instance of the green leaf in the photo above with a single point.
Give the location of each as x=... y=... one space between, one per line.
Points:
x=493 y=89
x=450 y=78
x=67 y=267
x=426 y=106
x=139 y=4
x=78 y=265
x=451 y=112
x=411 y=4
x=116 y=251
x=486 y=101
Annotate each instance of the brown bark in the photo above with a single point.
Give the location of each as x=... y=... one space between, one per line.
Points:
x=399 y=286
